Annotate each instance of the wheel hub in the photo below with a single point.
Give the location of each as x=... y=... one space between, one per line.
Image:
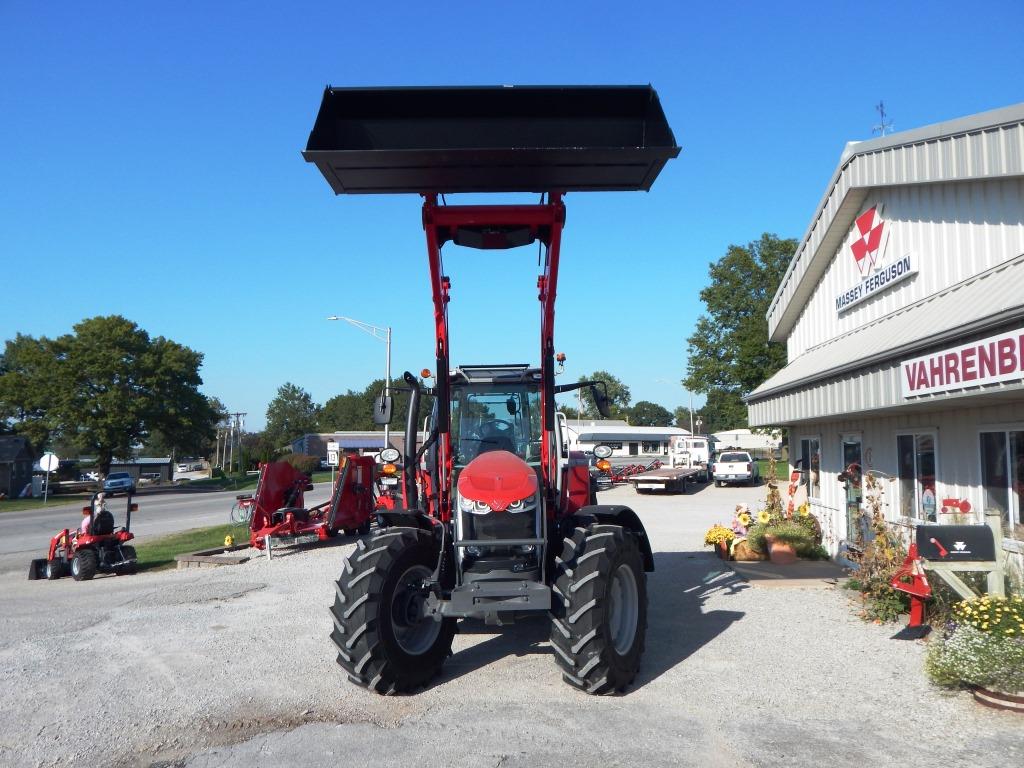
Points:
x=624 y=610
x=413 y=631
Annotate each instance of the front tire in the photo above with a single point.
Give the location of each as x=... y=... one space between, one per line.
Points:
x=84 y=565
x=599 y=614
x=128 y=553
x=54 y=569
x=382 y=641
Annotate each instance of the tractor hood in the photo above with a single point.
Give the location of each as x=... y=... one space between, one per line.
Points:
x=497 y=478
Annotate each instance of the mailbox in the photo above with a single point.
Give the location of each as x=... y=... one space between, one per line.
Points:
x=953 y=543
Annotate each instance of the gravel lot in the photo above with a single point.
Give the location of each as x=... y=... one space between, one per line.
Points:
x=233 y=667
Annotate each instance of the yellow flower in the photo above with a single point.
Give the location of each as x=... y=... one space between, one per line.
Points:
x=763 y=516
x=804 y=511
x=745 y=520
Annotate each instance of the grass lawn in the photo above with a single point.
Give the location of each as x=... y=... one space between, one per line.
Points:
x=17 y=505
x=159 y=553
x=247 y=483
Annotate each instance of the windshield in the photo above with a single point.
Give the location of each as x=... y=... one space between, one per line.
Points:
x=503 y=417
x=734 y=457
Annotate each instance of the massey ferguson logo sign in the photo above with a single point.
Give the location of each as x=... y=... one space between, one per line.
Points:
x=871 y=236
x=866 y=248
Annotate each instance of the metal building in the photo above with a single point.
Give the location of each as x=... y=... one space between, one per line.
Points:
x=903 y=315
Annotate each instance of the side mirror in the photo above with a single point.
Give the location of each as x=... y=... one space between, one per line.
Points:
x=383 y=408
x=601 y=400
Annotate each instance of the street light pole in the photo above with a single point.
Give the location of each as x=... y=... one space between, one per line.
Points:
x=382 y=334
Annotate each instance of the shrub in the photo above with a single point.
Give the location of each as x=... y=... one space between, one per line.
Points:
x=302 y=462
x=983 y=646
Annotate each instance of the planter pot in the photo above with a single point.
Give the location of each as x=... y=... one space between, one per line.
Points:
x=780 y=552
x=1012 y=702
x=743 y=552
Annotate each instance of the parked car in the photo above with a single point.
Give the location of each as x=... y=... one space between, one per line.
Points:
x=118 y=482
x=735 y=467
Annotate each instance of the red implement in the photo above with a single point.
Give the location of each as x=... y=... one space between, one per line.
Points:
x=280 y=512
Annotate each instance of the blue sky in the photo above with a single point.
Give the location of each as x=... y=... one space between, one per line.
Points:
x=150 y=167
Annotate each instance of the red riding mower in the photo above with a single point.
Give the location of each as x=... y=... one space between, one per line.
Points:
x=102 y=549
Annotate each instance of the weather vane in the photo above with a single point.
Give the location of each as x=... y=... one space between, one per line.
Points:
x=883 y=127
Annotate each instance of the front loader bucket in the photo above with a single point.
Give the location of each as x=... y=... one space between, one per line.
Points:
x=37 y=570
x=490 y=139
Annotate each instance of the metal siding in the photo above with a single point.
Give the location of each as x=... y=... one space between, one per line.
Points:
x=994 y=294
x=962 y=154
x=955 y=230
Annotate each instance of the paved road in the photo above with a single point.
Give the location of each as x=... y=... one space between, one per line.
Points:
x=25 y=535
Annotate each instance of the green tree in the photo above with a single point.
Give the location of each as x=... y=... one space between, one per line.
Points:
x=257 y=449
x=648 y=414
x=105 y=388
x=729 y=354
x=722 y=411
x=291 y=414
x=26 y=384
x=681 y=417
x=354 y=410
x=618 y=396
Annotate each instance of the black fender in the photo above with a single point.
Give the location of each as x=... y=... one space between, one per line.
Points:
x=617 y=514
x=406 y=518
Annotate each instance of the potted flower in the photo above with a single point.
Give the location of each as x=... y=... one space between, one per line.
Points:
x=719 y=537
x=982 y=648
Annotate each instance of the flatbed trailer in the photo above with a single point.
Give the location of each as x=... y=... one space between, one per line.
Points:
x=671 y=479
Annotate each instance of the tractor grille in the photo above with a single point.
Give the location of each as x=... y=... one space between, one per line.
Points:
x=497 y=526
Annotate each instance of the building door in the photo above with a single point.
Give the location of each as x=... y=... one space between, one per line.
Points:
x=634 y=449
x=852 y=476
x=1002 y=473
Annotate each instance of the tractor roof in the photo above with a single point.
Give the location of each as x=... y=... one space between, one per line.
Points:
x=495 y=374
x=490 y=139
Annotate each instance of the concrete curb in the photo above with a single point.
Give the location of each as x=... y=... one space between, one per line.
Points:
x=212 y=558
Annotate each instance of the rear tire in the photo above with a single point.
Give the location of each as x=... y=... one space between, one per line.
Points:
x=381 y=643
x=84 y=565
x=599 y=613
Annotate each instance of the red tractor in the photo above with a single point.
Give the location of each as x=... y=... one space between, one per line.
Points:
x=498 y=518
x=102 y=549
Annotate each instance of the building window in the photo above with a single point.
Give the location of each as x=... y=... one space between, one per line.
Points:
x=810 y=465
x=650 y=447
x=1002 y=473
x=916 y=469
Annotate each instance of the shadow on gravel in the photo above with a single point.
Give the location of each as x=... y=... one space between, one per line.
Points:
x=677 y=624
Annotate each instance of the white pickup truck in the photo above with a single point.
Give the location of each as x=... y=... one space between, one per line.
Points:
x=734 y=467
